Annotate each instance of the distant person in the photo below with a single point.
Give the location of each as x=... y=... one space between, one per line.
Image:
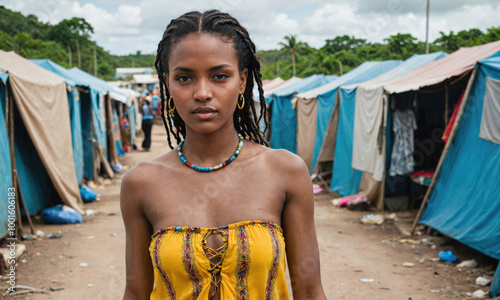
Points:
x=147 y=122
x=210 y=220
x=155 y=98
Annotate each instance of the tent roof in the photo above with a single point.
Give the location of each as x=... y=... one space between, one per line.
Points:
x=51 y=66
x=358 y=74
x=437 y=71
x=287 y=83
x=273 y=83
x=412 y=63
x=144 y=78
x=304 y=85
x=98 y=84
x=16 y=65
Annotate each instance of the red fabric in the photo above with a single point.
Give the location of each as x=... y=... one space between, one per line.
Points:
x=449 y=127
x=425 y=174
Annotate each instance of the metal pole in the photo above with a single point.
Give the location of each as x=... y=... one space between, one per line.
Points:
x=427 y=29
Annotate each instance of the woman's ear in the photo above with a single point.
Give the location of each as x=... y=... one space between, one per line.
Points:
x=243 y=80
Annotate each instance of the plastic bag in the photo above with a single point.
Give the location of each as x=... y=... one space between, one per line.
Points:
x=61 y=214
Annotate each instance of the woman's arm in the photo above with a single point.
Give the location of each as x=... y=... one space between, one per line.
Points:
x=139 y=269
x=300 y=232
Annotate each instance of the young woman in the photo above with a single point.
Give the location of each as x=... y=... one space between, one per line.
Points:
x=202 y=232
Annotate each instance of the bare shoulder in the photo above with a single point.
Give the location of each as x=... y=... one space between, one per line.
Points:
x=285 y=161
x=139 y=178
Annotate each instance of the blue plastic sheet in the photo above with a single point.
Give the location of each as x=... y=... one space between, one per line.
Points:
x=345 y=180
x=284 y=117
x=5 y=163
x=76 y=133
x=326 y=101
x=465 y=203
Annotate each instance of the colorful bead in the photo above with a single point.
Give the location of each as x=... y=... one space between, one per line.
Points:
x=206 y=169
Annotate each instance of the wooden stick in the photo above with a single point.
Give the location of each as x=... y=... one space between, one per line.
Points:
x=446 y=148
x=107 y=166
x=10 y=101
x=21 y=196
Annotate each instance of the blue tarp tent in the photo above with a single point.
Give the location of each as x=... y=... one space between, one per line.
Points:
x=5 y=163
x=74 y=112
x=326 y=97
x=42 y=135
x=283 y=116
x=465 y=201
x=346 y=180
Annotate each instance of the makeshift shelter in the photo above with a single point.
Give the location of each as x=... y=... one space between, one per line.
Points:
x=464 y=203
x=5 y=162
x=315 y=110
x=103 y=95
x=360 y=120
x=283 y=115
x=42 y=135
x=432 y=91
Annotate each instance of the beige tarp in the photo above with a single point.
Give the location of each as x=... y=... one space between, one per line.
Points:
x=437 y=71
x=43 y=105
x=276 y=82
x=307 y=115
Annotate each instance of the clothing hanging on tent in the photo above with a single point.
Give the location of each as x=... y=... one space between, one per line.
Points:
x=404 y=124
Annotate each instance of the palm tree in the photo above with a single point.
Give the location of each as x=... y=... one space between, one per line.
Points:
x=291 y=46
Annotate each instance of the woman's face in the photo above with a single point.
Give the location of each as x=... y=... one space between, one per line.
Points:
x=205 y=82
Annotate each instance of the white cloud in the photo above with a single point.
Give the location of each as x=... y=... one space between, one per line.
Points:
x=126 y=26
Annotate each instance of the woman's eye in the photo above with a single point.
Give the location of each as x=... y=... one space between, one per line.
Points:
x=221 y=76
x=182 y=78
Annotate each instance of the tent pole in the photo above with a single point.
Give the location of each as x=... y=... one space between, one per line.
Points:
x=446 y=104
x=445 y=151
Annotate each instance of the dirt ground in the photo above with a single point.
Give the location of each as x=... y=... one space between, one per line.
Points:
x=350 y=252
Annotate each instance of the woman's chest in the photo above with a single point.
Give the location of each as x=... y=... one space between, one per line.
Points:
x=209 y=201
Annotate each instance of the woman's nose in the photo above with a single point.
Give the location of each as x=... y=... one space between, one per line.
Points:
x=203 y=90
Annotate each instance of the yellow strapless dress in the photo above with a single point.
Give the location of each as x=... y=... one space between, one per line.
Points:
x=249 y=265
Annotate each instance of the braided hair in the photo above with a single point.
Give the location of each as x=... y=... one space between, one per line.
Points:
x=245 y=120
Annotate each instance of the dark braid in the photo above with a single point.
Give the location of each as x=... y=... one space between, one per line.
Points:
x=246 y=120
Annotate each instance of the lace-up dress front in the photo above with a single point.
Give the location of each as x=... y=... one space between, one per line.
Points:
x=249 y=265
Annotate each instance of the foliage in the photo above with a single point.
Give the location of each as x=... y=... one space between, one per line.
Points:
x=32 y=38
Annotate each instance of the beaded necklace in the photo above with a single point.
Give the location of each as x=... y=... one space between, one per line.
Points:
x=207 y=169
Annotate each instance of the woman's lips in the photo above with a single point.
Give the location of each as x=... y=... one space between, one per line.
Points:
x=205 y=113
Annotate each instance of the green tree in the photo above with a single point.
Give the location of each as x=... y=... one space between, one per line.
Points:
x=292 y=46
x=401 y=45
x=74 y=30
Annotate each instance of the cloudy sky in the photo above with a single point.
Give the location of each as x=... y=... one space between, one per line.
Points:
x=127 y=26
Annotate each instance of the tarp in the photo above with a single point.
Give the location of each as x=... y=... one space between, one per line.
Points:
x=289 y=82
x=74 y=112
x=284 y=117
x=368 y=152
x=5 y=163
x=326 y=96
x=345 y=180
x=464 y=203
x=100 y=85
x=41 y=100
x=436 y=72
x=276 y=82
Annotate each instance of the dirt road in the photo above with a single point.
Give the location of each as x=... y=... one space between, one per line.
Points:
x=88 y=261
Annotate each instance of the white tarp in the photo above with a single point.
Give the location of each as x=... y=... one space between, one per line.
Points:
x=490 y=121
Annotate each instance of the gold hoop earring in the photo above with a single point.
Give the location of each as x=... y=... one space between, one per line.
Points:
x=171 y=110
x=242 y=98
